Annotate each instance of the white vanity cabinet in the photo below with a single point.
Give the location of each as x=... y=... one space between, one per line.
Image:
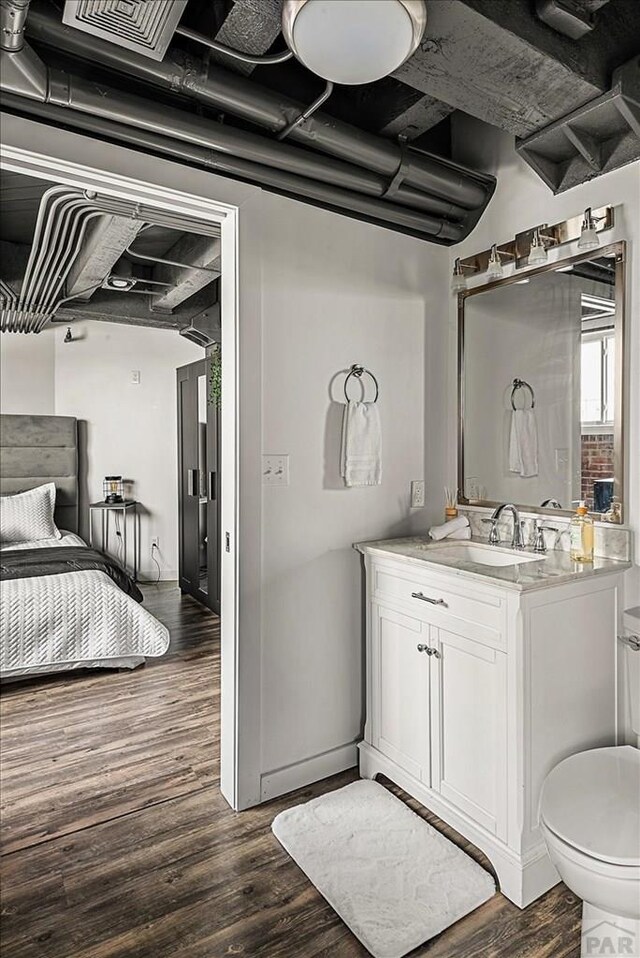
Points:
x=475 y=691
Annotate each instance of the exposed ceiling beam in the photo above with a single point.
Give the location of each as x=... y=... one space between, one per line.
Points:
x=199 y=251
x=417 y=118
x=388 y=107
x=251 y=26
x=132 y=309
x=107 y=239
x=495 y=60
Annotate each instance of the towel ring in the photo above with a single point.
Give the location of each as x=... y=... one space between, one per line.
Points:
x=358 y=372
x=521 y=384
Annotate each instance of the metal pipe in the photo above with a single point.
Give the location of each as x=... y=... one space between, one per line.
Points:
x=98 y=101
x=13 y=18
x=254 y=60
x=317 y=103
x=382 y=213
x=85 y=95
x=228 y=92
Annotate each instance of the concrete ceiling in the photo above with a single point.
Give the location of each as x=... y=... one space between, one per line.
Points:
x=493 y=59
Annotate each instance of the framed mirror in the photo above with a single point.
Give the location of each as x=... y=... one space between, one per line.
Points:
x=540 y=372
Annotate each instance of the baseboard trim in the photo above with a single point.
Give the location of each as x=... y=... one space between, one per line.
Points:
x=309 y=770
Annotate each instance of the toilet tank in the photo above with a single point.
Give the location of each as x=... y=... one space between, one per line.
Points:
x=631 y=646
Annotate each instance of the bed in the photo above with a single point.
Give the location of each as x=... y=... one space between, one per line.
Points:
x=63 y=606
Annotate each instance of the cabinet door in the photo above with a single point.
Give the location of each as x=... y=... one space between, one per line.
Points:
x=469 y=716
x=400 y=693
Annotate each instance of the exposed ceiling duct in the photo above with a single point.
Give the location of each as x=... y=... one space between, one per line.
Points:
x=366 y=176
x=78 y=241
x=437 y=185
x=63 y=218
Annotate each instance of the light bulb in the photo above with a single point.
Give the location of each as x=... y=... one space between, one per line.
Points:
x=537 y=250
x=588 y=236
x=494 y=267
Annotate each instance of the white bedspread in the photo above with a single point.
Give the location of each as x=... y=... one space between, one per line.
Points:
x=73 y=620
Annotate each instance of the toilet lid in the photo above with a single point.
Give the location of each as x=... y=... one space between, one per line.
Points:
x=592 y=801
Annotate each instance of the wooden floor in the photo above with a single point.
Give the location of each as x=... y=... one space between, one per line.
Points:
x=117 y=844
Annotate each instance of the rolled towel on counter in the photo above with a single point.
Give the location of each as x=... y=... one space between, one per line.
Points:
x=446 y=530
x=460 y=534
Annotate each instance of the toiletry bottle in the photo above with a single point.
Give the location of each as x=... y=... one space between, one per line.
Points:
x=581 y=533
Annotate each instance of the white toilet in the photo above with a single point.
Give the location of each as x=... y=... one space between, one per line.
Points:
x=590 y=819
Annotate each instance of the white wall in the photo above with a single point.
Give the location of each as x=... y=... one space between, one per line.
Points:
x=335 y=292
x=130 y=429
x=27 y=377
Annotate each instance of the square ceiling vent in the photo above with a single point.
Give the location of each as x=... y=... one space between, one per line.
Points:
x=134 y=24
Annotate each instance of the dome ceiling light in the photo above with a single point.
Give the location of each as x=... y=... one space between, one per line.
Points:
x=353 y=41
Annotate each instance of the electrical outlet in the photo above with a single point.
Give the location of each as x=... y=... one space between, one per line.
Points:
x=275 y=470
x=155 y=543
x=562 y=459
x=135 y=377
x=417 y=494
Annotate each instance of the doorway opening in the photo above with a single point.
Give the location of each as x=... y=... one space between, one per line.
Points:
x=167 y=208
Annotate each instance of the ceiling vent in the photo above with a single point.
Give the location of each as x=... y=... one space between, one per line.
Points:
x=134 y=24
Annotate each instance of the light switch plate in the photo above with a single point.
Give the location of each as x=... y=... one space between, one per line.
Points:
x=417 y=494
x=275 y=470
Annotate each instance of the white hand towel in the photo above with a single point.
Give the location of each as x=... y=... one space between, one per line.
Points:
x=361 y=454
x=449 y=528
x=523 y=443
x=460 y=534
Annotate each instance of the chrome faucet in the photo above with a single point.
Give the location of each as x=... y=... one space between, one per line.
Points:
x=539 y=545
x=517 y=540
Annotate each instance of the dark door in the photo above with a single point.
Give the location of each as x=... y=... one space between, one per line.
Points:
x=198 y=458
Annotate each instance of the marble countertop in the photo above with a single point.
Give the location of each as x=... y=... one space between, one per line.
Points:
x=553 y=568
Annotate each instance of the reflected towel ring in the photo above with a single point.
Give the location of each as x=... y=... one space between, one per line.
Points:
x=358 y=372
x=521 y=384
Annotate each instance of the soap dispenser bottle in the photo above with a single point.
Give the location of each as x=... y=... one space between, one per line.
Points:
x=581 y=534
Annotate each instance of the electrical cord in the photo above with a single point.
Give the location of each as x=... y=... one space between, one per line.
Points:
x=120 y=546
x=153 y=556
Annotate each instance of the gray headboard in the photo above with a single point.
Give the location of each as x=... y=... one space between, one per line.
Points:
x=39 y=449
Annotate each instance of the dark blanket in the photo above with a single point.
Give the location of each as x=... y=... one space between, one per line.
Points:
x=24 y=563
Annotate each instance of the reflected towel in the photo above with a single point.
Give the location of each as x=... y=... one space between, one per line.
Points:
x=523 y=443
x=451 y=529
x=361 y=453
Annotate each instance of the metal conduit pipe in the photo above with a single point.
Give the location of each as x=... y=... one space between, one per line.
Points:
x=342 y=201
x=228 y=92
x=13 y=17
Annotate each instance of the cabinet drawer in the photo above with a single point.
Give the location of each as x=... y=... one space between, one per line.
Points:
x=434 y=598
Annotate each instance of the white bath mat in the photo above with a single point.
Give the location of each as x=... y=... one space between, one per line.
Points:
x=391 y=877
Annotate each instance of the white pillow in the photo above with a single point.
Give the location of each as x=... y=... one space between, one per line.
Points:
x=28 y=516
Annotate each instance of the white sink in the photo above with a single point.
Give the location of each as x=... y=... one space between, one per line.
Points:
x=480 y=554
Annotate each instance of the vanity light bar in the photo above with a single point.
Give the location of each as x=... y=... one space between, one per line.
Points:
x=518 y=249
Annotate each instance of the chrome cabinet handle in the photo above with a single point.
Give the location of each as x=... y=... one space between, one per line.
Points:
x=425 y=648
x=425 y=598
x=633 y=641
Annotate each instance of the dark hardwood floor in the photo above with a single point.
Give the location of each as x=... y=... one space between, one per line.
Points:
x=117 y=843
